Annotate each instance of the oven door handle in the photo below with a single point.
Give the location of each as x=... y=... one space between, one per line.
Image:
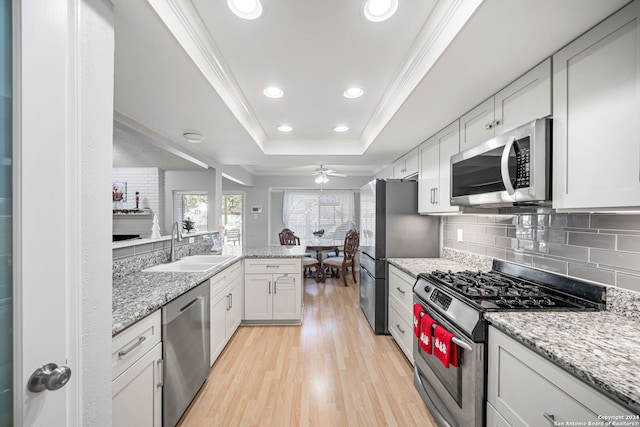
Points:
x=457 y=341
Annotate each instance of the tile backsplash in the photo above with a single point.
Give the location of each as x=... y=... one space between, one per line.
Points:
x=604 y=248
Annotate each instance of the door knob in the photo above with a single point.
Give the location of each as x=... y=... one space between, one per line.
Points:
x=49 y=377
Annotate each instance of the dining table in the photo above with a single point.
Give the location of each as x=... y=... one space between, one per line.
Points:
x=320 y=244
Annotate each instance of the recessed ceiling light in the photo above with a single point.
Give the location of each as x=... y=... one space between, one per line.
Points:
x=353 y=92
x=246 y=9
x=380 y=10
x=285 y=128
x=341 y=128
x=195 y=138
x=273 y=92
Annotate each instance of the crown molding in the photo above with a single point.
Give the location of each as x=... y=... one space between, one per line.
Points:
x=445 y=22
x=186 y=25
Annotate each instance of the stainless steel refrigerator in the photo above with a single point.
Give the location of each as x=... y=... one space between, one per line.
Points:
x=390 y=227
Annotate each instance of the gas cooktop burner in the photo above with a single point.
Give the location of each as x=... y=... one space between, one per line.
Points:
x=496 y=290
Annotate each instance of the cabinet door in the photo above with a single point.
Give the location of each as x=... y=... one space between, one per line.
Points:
x=477 y=125
x=234 y=314
x=524 y=100
x=137 y=393
x=494 y=419
x=398 y=169
x=449 y=140
x=411 y=163
x=218 y=311
x=257 y=301
x=596 y=104
x=286 y=297
x=429 y=175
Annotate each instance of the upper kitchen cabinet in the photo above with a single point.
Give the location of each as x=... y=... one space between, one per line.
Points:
x=406 y=165
x=434 y=179
x=526 y=99
x=596 y=133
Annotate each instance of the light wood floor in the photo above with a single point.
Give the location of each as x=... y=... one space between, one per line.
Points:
x=331 y=371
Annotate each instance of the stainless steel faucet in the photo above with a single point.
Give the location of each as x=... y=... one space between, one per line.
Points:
x=175 y=229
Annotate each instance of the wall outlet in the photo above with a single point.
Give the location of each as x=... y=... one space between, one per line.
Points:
x=459 y=234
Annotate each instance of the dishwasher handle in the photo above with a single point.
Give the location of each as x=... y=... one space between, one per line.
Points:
x=186 y=307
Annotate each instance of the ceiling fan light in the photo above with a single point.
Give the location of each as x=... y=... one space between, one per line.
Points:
x=246 y=9
x=321 y=179
x=341 y=128
x=273 y=92
x=353 y=92
x=380 y=10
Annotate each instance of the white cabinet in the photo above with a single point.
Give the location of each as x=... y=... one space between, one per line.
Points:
x=526 y=389
x=434 y=179
x=136 y=362
x=273 y=291
x=400 y=309
x=596 y=103
x=526 y=99
x=226 y=307
x=406 y=165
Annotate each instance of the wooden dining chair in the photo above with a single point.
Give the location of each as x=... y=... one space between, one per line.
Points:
x=351 y=244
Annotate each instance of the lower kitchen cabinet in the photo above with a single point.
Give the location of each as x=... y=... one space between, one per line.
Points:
x=226 y=307
x=136 y=388
x=524 y=389
x=273 y=291
x=400 y=309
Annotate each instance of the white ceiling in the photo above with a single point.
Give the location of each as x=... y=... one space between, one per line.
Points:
x=193 y=66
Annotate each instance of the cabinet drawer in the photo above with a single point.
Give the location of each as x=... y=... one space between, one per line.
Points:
x=527 y=389
x=401 y=287
x=272 y=265
x=401 y=329
x=222 y=279
x=131 y=344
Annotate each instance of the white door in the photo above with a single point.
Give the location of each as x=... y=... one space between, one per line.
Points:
x=45 y=264
x=56 y=187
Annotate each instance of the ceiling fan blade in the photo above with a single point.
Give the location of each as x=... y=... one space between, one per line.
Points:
x=332 y=173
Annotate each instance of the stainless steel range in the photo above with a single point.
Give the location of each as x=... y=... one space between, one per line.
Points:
x=455 y=394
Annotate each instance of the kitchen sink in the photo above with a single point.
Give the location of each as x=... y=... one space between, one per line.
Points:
x=205 y=259
x=195 y=263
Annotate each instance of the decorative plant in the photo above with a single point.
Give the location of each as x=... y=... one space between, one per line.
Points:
x=188 y=224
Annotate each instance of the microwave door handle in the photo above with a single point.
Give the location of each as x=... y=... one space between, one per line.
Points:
x=504 y=166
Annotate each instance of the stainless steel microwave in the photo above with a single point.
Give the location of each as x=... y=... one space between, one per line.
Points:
x=509 y=170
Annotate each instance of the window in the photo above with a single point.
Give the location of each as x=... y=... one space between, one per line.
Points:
x=194 y=207
x=307 y=211
x=231 y=221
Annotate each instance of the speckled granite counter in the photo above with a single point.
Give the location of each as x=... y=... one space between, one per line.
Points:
x=139 y=294
x=602 y=349
x=415 y=266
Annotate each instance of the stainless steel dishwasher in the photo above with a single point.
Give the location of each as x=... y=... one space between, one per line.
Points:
x=185 y=347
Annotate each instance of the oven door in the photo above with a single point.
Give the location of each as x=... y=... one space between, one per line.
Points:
x=454 y=395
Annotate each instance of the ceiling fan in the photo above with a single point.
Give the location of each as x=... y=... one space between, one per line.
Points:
x=322 y=174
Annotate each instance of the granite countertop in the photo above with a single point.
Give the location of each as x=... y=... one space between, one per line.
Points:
x=601 y=348
x=139 y=294
x=415 y=266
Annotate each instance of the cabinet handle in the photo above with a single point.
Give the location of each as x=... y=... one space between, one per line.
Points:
x=496 y=123
x=400 y=329
x=550 y=417
x=275 y=287
x=431 y=191
x=273 y=266
x=160 y=363
x=488 y=126
x=269 y=287
x=230 y=301
x=400 y=290
x=435 y=196
x=122 y=353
